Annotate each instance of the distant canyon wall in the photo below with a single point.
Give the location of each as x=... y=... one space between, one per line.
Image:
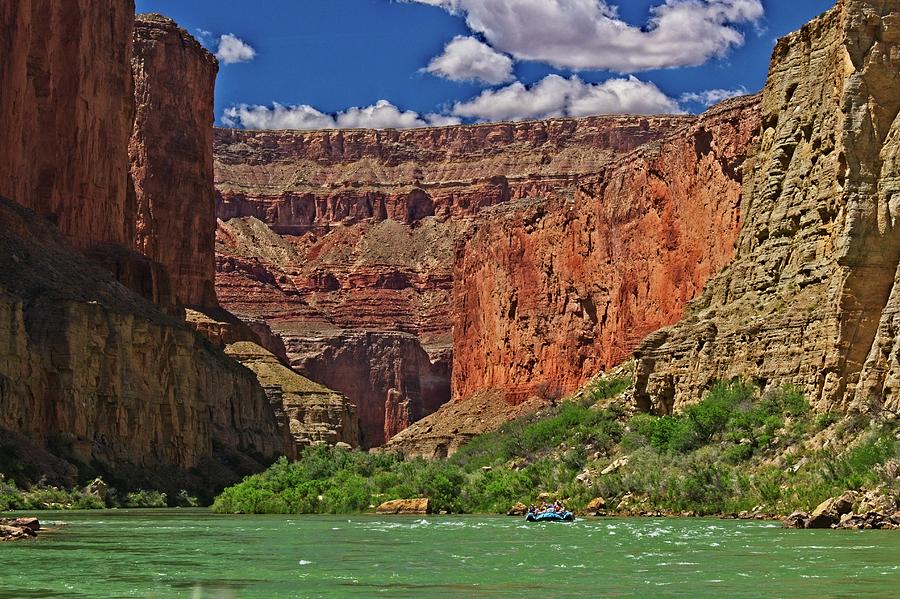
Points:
x=345 y=241
x=550 y=292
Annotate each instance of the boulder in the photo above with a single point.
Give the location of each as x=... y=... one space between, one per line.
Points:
x=616 y=465
x=829 y=512
x=98 y=489
x=796 y=520
x=421 y=505
x=15 y=533
x=29 y=523
x=520 y=509
x=596 y=507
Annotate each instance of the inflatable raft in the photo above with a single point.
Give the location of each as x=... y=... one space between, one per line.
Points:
x=550 y=517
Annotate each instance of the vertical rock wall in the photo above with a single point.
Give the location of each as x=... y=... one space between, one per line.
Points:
x=91 y=373
x=811 y=297
x=171 y=156
x=548 y=292
x=66 y=106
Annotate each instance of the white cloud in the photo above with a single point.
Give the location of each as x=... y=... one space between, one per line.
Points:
x=555 y=96
x=381 y=115
x=277 y=117
x=587 y=34
x=713 y=96
x=203 y=33
x=232 y=50
x=468 y=59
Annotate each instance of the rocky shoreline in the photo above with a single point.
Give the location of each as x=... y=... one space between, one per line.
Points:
x=19 y=529
x=853 y=510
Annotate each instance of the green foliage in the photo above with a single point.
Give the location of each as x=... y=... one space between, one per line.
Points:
x=717 y=456
x=145 y=499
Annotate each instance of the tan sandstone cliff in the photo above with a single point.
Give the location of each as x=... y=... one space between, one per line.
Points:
x=811 y=298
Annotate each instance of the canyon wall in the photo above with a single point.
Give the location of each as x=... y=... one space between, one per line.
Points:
x=94 y=378
x=65 y=114
x=811 y=298
x=344 y=241
x=171 y=156
x=100 y=378
x=552 y=291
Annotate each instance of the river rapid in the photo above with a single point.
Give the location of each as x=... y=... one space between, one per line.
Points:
x=196 y=554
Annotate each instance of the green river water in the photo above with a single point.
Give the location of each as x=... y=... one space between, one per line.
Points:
x=195 y=554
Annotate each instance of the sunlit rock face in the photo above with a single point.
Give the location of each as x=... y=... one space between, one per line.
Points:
x=345 y=241
x=811 y=298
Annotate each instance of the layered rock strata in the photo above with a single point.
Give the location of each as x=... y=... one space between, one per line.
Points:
x=96 y=375
x=344 y=242
x=171 y=156
x=811 y=298
x=314 y=413
x=66 y=110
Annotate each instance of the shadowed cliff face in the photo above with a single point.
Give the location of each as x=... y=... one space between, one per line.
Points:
x=345 y=242
x=95 y=378
x=811 y=298
x=171 y=156
x=99 y=377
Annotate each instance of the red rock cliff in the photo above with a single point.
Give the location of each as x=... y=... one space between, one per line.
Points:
x=65 y=113
x=549 y=292
x=171 y=156
x=347 y=240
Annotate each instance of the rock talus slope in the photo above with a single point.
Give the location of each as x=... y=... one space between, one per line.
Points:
x=812 y=297
x=171 y=156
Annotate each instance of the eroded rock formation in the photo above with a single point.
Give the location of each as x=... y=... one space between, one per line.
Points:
x=314 y=413
x=345 y=241
x=171 y=156
x=99 y=377
x=552 y=291
x=811 y=298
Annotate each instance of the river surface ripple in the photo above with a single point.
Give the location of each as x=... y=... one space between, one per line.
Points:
x=195 y=554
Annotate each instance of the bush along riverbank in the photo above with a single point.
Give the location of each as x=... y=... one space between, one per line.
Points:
x=95 y=495
x=737 y=452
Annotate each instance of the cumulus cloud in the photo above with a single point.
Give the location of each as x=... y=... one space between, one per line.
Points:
x=713 y=96
x=381 y=115
x=588 y=34
x=555 y=96
x=232 y=50
x=468 y=59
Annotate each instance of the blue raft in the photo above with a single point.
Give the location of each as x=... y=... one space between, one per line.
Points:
x=550 y=517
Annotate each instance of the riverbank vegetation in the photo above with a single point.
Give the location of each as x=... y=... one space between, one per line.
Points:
x=737 y=450
x=42 y=496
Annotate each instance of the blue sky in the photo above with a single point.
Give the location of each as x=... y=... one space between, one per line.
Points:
x=512 y=59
